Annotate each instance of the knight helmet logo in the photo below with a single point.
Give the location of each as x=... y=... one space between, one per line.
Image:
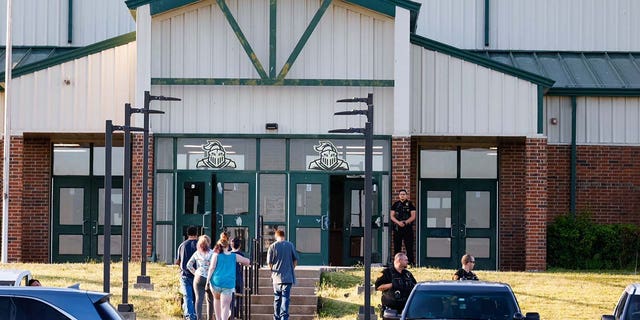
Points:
x=328 y=160
x=216 y=156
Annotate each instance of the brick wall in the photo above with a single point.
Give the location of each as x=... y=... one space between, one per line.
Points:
x=136 y=197
x=35 y=200
x=608 y=182
x=535 y=213
x=401 y=169
x=511 y=190
x=16 y=223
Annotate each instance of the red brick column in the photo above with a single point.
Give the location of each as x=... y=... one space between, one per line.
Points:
x=535 y=211
x=16 y=223
x=511 y=191
x=136 y=197
x=401 y=165
x=35 y=209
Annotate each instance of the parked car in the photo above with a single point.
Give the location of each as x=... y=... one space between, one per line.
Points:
x=476 y=300
x=24 y=303
x=628 y=307
x=10 y=277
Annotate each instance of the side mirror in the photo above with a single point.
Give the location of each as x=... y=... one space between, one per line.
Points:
x=608 y=317
x=532 y=316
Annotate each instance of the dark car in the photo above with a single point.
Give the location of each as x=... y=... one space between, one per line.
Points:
x=476 y=300
x=628 y=307
x=25 y=303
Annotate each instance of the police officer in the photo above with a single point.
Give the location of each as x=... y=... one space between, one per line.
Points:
x=396 y=283
x=403 y=214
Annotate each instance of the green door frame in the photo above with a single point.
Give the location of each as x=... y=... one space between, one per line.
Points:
x=458 y=232
x=88 y=230
x=376 y=222
x=193 y=188
x=232 y=221
x=313 y=223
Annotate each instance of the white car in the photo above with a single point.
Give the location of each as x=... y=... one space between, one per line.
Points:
x=14 y=277
x=628 y=307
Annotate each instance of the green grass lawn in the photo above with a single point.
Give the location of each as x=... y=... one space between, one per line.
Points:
x=554 y=294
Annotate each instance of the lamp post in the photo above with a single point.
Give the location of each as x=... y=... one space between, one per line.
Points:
x=144 y=281
x=368 y=185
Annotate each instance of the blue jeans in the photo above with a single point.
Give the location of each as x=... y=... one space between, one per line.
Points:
x=281 y=295
x=188 y=304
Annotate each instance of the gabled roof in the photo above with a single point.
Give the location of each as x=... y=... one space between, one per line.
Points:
x=578 y=73
x=30 y=60
x=481 y=60
x=387 y=7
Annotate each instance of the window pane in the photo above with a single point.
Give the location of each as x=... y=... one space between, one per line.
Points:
x=272 y=197
x=479 y=163
x=478 y=209
x=26 y=308
x=236 y=198
x=439 y=209
x=116 y=244
x=164 y=153
x=164 y=243
x=308 y=240
x=438 y=163
x=478 y=247
x=309 y=199
x=116 y=207
x=216 y=154
x=117 y=161
x=70 y=161
x=70 y=244
x=193 y=195
x=439 y=247
x=164 y=197
x=71 y=206
x=273 y=154
x=349 y=153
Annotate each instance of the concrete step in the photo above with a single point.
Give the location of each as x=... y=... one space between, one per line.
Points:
x=305 y=291
x=292 y=316
x=300 y=273
x=293 y=309
x=295 y=299
x=300 y=282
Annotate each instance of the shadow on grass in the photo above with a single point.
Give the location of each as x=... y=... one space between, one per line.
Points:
x=332 y=308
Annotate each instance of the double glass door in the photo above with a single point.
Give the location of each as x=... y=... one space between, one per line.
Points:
x=216 y=202
x=309 y=217
x=78 y=218
x=458 y=216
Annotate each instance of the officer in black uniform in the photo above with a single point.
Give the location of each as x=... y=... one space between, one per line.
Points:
x=396 y=283
x=403 y=214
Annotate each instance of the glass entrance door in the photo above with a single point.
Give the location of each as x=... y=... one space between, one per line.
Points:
x=458 y=216
x=309 y=217
x=354 y=220
x=78 y=219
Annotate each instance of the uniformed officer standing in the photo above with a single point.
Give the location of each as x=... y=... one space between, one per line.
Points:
x=403 y=214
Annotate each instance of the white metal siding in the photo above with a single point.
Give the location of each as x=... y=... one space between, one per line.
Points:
x=197 y=41
x=246 y=109
x=600 y=120
x=45 y=22
x=582 y=25
x=454 y=97
x=100 y=85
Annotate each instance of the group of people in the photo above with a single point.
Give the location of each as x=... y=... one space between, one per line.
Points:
x=396 y=282
x=214 y=275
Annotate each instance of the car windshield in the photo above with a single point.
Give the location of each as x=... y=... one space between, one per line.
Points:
x=461 y=305
x=633 y=308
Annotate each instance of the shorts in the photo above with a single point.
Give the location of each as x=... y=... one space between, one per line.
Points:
x=223 y=291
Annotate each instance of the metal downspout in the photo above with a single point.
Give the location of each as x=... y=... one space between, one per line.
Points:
x=572 y=197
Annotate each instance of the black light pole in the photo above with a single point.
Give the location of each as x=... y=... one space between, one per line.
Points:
x=368 y=185
x=144 y=281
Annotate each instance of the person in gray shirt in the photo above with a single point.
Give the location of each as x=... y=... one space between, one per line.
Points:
x=282 y=259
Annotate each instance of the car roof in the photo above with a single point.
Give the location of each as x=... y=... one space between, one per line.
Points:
x=471 y=286
x=12 y=275
x=633 y=288
x=71 y=300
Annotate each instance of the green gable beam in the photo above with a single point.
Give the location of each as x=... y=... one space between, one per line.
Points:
x=241 y=37
x=595 y=92
x=387 y=7
x=303 y=40
x=273 y=15
x=72 y=55
x=486 y=23
x=70 y=23
x=271 y=82
x=480 y=60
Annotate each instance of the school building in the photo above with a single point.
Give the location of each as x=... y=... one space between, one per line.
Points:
x=495 y=115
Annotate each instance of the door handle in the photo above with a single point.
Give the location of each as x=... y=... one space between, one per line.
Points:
x=219 y=221
x=463 y=230
x=324 y=222
x=95 y=227
x=453 y=230
x=83 y=223
x=206 y=213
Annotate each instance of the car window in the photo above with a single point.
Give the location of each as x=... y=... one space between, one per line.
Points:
x=620 y=306
x=25 y=309
x=633 y=308
x=438 y=305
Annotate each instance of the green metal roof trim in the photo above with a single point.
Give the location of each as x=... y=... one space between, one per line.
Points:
x=23 y=56
x=480 y=60
x=578 y=73
x=34 y=66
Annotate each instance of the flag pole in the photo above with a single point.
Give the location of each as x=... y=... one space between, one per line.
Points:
x=7 y=140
